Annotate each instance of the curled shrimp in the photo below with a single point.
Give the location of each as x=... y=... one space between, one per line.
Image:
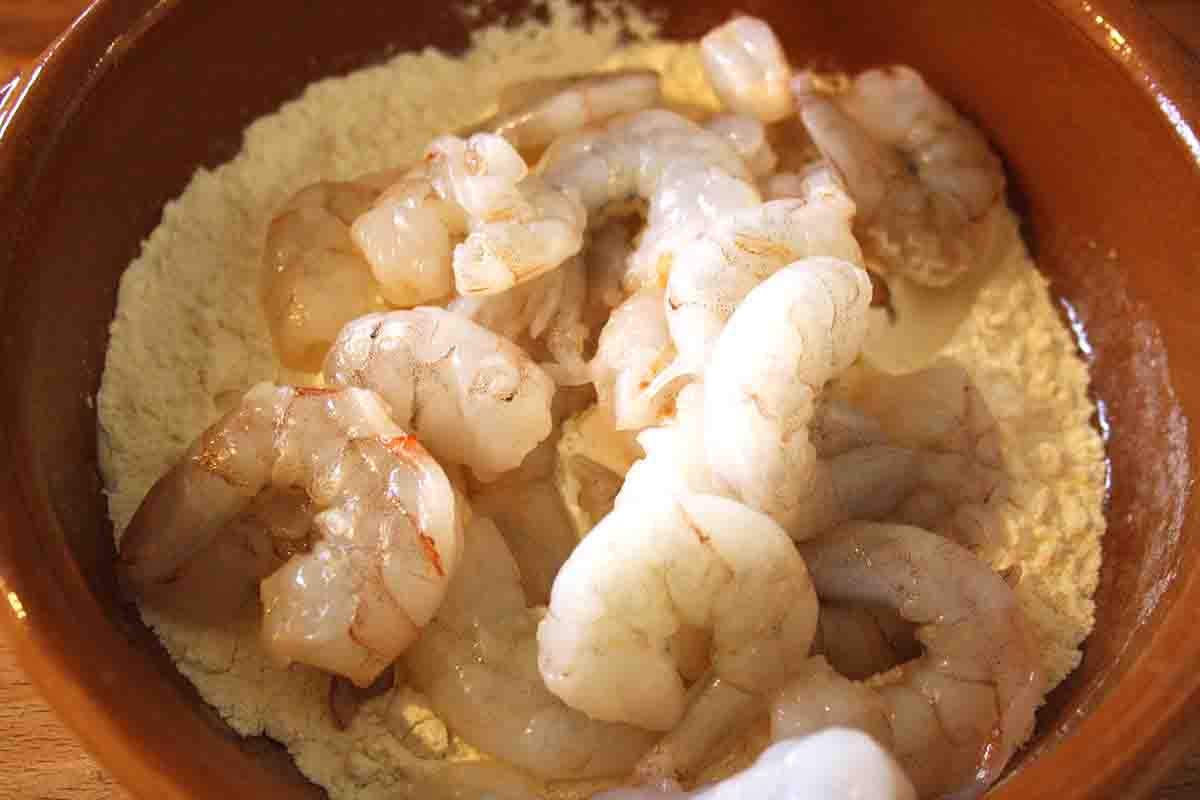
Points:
x=939 y=414
x=687 y=175
x=315 y=279
x=712 y=273
x=635 y=347
x=477 y=662
x=535 y=113
x=923 y=177
x=373 y=531
x=795 y=331
x=654 y=577
x=453 y=382
x=953 y=716
x=468 y=218
x=834 y=764
x=748 y=69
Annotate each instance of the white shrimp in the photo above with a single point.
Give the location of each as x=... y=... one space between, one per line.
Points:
x=953 y=716
x=455 y=383
x=315 y=279
x=941 y=416
x=923 y=177
x=635 y=347
x=798 y=329
x=477 y=662
x=363 y=569
x=535 y=113
x=516 y=227
x=712 y=273
x=664 y=572
x=748 y=69
x=834 y=764
x=547 y=312
x=748 y=137
x=689 y=176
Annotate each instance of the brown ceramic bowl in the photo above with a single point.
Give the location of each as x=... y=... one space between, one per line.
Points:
x=1093 y=107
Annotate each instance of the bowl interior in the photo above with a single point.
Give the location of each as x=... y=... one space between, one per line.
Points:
x=106 y=136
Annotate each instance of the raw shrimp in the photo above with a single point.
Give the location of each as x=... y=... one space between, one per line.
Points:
x=315 y=280
x=382 y=537
x=923 y=177
x=453 y=382
x=714 y=271
x=955 y=715
x=835 y=764
x=748 y=69
x=535 y=113
x=654 y=577
x=516 y=227
x=748 y=137
x=635 y=347
x=548 y=311
x=795 y=331
x=477 y=663
x=688 y=175
x=941 y=416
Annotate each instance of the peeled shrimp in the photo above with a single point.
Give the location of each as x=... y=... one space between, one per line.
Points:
x=941 y=416
x=635 y=347
x=835 y=764
x=455 y=383
x=364 y=574
x=748 y=69
x=712 y=273
x=315 y=279
x=688 y=175
x=546 y=312
x=651 y=579
x=923 y=177
x=534 y=114
x=955 y=715
x=748 y=137
x=795 y=331
x=513 y=227
x=477 y=662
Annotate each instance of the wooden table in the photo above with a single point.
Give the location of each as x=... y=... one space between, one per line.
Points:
x=39 y=758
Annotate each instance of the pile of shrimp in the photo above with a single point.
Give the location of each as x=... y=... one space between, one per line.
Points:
x=786 y=537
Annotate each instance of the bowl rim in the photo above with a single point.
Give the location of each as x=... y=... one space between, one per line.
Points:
x=40 y=103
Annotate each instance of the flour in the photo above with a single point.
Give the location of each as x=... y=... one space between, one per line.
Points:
x=188 y=338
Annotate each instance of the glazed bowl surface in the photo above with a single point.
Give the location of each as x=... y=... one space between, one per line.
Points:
x=1093 y=107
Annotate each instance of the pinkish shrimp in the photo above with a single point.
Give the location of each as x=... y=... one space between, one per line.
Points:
x=315 y=279
x=348 y=522
x=477 y=662
x=535 y=113
x=454 y=382
x=923 y=177
x=469 y=218
x=940 y=415
x=713 y=272
x=688 y=176
x=954 y=715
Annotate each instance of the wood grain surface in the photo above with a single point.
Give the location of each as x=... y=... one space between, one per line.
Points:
x=39 y=758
